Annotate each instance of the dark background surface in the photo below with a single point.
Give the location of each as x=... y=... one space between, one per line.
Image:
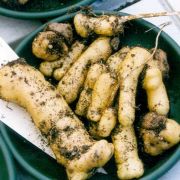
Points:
x=21 y=174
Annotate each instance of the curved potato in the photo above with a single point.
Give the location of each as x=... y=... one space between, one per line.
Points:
x=129 y=166
x=160 y=59
x=104 y=127
x=153 y=83
x=70 y=142
x=108 y=25
x=156 y=92
x=107 y=122
x=103 y=25
x=129 y=72
x=103 y=95
x=85 y=97
x=100 y=99
x=71 y=83
x=63 y=64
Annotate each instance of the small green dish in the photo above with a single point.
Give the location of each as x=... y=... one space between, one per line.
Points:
x=6 y=162
x=43 y=167
x=43 y=9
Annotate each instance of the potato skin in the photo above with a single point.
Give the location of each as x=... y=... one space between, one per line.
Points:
x=103 y=94
x=103 y=25
x=49 y=46
x=156 y=70
x=155 y=89
x=62 y=29
x=70 y=142
x=129 y=166
x=85 y=97
x=129 y=72
x=76 y=50
x=161 y=62
x=73 y=80
x=158 y=133
x=107 y=122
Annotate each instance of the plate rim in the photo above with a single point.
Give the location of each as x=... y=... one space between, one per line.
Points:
x=154 y=175
x=46 y=14
x=8 y=159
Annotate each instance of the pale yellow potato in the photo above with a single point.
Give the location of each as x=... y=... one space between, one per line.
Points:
x=157 y=97
x=129 y=72
x=49 y=46
x=103 y=98
x=159 y=133
x=63 y=29
x=103 y=25
x=104 y=127
x=70 y=142
x=129 y=166
x=103 y=95
x=107 y=25
x=160 y=59
x=71 y=83
x=61 y=66
x=107 y=122
x=85 y=97
x=115 y=60
x=153 y=83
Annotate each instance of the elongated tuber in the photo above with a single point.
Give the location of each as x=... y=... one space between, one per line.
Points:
x=155 y=89
x=106 y=124
x=106 y=86
x=129 y=72
x=103 y=95
x=85 y=97
x=71 y=83
x=70 y=142
x=129 y=166
x=108 y=25
x=64 y=63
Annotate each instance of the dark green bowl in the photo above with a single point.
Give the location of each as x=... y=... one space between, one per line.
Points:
x=48 y=9
x=44 y=167
x=6 y=162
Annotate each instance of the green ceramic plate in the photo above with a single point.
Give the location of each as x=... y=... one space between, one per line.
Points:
x=42 y=8
x=43 y=167
x=7 y=167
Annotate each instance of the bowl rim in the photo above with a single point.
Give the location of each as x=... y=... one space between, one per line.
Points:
x=155 y=174
x=46 y=14
x=8 y=159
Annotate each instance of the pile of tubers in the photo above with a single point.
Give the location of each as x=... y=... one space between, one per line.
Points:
x=102 y=80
